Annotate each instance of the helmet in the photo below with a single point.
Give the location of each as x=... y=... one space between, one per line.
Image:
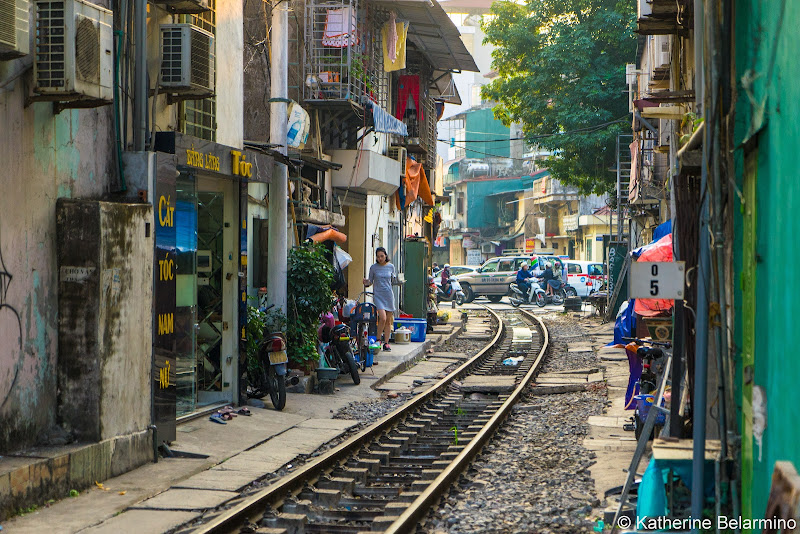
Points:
x=446 y=265
x=524 y=264
x=430 y=279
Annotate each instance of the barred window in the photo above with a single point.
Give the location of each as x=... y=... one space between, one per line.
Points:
x=199 y=117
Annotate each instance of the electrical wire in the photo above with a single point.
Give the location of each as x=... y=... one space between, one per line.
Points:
x=588 y=129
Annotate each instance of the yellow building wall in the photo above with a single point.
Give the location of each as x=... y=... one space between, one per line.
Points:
x=354 y=228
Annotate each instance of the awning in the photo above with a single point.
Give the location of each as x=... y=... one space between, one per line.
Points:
x=512 y=192
x=443 y=88
x=433 y=33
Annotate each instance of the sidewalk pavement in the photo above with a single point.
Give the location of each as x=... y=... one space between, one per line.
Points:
x=613 y=446
x=159 y=496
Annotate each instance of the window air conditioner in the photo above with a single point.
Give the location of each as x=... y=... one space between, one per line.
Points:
x=187 y=60
x=487 y=248
x=399 y=153
x=14 y=29
x=74 y=51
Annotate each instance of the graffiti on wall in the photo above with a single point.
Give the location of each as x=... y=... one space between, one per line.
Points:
x=10 y=323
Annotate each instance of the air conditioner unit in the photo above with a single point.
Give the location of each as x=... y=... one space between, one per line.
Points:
x=400 y=154
x=74 y=51
x=487 y=248
x=14 y=29
x=187 y=60
x=183 y=6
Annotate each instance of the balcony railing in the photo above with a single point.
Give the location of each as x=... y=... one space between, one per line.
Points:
x=342 y=53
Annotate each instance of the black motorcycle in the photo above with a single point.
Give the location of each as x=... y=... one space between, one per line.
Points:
x=339 y=352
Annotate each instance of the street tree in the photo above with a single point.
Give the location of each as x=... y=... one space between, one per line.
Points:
x=561 y=69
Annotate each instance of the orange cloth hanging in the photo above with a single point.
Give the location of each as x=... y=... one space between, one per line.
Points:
x=417 y=183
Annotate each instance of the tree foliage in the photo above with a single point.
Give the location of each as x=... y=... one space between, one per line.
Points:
x=561 y=67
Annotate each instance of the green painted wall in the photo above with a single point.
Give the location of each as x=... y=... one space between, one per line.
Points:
x=766 y=294
x=481 y=127
x=482 y=212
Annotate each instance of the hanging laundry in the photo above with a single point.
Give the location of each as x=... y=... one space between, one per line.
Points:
x=416 y=184
x=386 y=123
x=399 y=61
x=407 y=87
x=391 y=38
x=340 y=28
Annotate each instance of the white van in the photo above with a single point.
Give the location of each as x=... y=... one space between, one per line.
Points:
x=585 y=276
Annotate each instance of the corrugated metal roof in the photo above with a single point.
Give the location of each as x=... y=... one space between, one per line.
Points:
x=433 y=33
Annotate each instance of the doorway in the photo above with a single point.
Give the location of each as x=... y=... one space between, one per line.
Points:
x=204 y=293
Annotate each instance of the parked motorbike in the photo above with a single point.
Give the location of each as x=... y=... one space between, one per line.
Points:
x=456 y=295
x=648 y=383
x=270 y=376
x=538 y=295
x=339 y=352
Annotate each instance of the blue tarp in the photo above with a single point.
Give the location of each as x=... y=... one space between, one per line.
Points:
x=662 y=230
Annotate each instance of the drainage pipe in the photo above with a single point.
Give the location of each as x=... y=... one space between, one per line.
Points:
x=699 y=401
x=139 y=75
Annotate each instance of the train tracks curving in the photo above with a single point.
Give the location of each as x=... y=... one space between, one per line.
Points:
x=388 y=476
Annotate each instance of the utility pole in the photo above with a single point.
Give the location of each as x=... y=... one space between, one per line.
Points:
x=278 y=212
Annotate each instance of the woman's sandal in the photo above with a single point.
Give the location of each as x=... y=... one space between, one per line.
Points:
x=217 y=418
x=244 y=410
x=386 y=347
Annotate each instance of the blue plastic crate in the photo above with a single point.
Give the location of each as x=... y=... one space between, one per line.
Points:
x=418 y=327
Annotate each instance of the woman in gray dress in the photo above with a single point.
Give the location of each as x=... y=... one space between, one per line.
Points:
x=383 y=276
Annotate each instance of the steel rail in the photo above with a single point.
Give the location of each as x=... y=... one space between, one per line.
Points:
x=409 y=520
x=276 y=492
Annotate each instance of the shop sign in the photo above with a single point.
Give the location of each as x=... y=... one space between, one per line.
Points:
x=474 y=256
x=163 y=376
x=213 y=157
x=530 y=244
x=570 y=223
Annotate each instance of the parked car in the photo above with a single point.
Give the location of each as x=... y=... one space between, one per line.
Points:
x=585 y=276
x=455 y=270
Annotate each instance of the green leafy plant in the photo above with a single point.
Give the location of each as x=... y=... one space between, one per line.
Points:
x=259 y=324
x=309 y=277
x=561 y=73
x=359 y=71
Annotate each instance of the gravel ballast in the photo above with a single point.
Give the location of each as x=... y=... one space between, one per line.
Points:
x=533 y=476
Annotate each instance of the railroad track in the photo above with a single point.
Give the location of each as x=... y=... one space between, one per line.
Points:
x=388 y=476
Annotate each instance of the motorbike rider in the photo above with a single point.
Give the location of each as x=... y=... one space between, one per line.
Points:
x=545 y=279
x=523 y=279
x=446 y=279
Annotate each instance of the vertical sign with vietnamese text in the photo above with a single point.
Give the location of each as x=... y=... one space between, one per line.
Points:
x=164 y=378
x=617 y=252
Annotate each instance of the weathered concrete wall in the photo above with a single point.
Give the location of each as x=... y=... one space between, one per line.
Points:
x=105 y=256
x=44 y=157
x=230 y=42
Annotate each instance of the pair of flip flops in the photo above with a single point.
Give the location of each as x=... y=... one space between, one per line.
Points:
x=227 y=413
